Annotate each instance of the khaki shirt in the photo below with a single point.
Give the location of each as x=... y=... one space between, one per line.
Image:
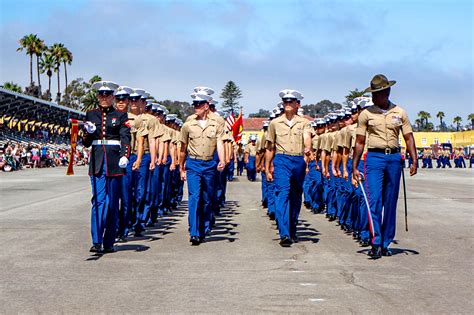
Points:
x=329 y=141
x=315 y=142
x=323 y=138
x=139 y=129
x=172 y=134
x=133 y=131
x=178 y=138
x=350 y=137
x=212 y=116
x=288 y=139
x=261 y=141
x=339 y=139
x=251 y=149
x=383 y=128
x=148 y=127
x=201 y=142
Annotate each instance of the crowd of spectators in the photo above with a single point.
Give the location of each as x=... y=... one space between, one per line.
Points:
x=16 y=156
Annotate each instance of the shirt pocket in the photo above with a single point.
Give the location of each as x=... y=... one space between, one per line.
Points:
x=211 y=132
x=374 y=126
x=394 y=122
x=282 y=133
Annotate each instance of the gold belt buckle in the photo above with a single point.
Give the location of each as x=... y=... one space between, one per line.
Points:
x=388 y=151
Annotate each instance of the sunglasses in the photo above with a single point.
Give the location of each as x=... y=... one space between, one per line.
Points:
x=135 y=98
x=288 y=100
x=106 y=93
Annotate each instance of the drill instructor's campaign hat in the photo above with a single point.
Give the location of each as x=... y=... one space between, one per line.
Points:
x=379 y=82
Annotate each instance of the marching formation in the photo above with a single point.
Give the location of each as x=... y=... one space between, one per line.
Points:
x=347 y=164
x=140 y=157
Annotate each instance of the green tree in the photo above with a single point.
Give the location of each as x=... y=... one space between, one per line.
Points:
x=47 y=65
x=40 y=47
x=321 y=108
x=440 y=116
x=471 y=118
x=262 y=113
x=57 y=52
x=353 y=94
x=457 y=120
x=231 y=94
x=29 y=43
x=424 y=118
x=181 y=109
x=75 y=93
x=89 y=101
x=418 y=123
x=12 y=87
x=67 y=60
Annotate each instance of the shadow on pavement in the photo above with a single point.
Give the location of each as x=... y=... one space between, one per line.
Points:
x=224 y=226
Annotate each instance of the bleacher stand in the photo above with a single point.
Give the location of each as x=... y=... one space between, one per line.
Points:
x=35 y=133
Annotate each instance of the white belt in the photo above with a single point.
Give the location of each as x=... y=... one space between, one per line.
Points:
x=105 y=142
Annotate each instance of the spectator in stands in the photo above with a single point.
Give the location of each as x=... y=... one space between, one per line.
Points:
x=35 y=156
x=2 y=159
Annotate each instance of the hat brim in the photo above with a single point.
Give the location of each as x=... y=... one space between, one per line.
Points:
x=370 y=90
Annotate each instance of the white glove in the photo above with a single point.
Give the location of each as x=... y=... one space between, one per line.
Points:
x=90 y=127
x=123 y=162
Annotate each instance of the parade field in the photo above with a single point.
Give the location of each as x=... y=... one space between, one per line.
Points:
x=46 y=267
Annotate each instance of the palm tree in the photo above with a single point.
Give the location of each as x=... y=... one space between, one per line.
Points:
x=440 y=115
x=40 y=47
x=471 y=118
x=457 y=120
x=12 y=87
x=418 y=123
x=57 y=51
x=48 y=64
x=29 y=43
x=353 y=94
x=67 y=59
x=424 y=117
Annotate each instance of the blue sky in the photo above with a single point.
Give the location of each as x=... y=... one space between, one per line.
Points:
x=322 y=48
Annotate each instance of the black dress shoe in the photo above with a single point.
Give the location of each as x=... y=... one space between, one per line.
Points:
x=286 y=241
x=386 y=252
x=272 y=216
x=138 y=234
x=332 y=218
x=109 y=250
x=364 y=243
x=97 y=248
x=150 y=224
x=122 y=239
x=194 y=240
x=294 y=239
x=375 y=252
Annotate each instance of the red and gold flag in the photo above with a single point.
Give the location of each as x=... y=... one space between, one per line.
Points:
x=237 y=128
x=74 y=134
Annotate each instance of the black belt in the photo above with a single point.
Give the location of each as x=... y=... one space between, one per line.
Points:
x=385 y=151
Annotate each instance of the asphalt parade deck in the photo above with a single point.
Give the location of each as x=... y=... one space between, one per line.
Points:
x=45 y=265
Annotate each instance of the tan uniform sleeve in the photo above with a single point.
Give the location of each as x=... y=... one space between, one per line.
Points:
x=184 y=134
x=141 y=128
x=220 y=132
x=166 y=135
x=406 y=126
x=271 y=135
x=362 y=124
